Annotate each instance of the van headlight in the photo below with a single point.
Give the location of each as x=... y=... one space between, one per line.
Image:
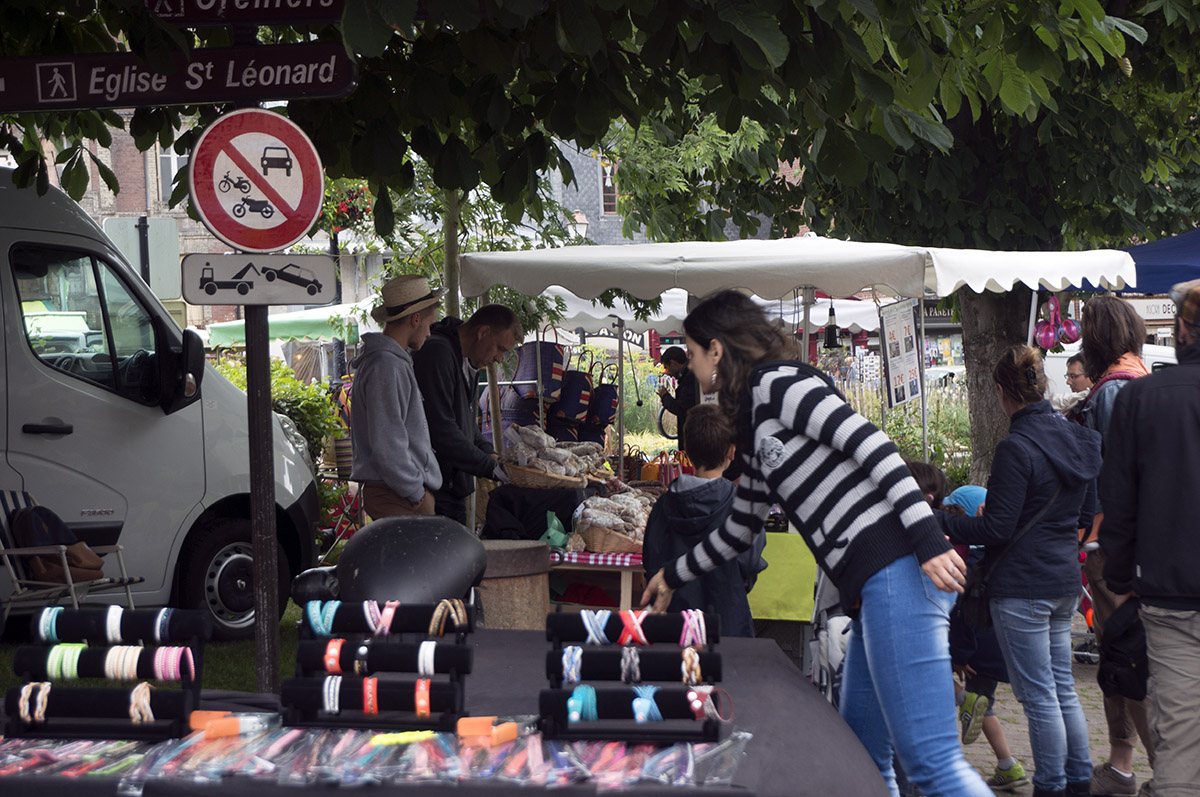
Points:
x=293 y=436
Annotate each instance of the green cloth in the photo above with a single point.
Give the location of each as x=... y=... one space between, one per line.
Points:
x=311 y=324
x=784 y=591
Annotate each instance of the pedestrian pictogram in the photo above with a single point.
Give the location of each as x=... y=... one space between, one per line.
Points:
x=56 y=82
x=256 y=180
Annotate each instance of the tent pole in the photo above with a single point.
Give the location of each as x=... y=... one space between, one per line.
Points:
x=1033 y=300
x=620 y=325
x=807 y=296
x=924 y=386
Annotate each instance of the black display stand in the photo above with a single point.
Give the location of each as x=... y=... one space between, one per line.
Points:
x=659 y=663
x=366 y=655
x=105 y=712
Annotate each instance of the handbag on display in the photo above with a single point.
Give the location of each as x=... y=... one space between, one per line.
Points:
x=972 y=605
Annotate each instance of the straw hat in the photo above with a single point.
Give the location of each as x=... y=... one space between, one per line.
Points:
x=404 y=296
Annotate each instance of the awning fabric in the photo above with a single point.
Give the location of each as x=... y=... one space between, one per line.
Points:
x=311 y=324
x=1161 y=264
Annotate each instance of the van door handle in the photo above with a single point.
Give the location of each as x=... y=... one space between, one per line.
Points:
x=47 y=428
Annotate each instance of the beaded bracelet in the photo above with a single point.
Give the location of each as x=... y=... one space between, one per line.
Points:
x=644 y=706
x=581 y=705
x=594 y=623
x=631 y=666
x=632 y=633
x=572 y=661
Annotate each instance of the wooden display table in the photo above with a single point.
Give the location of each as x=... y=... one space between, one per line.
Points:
x=626 y=565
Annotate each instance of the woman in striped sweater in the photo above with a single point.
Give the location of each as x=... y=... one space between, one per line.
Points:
x=843 y=485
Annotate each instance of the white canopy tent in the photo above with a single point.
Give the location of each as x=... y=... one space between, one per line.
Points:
x=772 y=269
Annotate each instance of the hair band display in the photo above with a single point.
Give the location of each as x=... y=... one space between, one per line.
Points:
x=690 y=666
x=48 y=623
x=139 y=704
x=112 y=624
x=421 y=697
x=632 y=633
x=581 y=705
x=425 y=655
x=370 y=695
x=695 y=632
x=572 y=662
x=333 y=656
x=385 y=618
x=594 y=622
x=372 y=614
x=645 y=708
x=331 y=694
x=631 y=666
x=360 y=659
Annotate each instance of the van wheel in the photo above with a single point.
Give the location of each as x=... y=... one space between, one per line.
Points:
x=217 y=572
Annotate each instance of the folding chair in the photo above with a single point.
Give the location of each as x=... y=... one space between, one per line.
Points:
x=26 y=590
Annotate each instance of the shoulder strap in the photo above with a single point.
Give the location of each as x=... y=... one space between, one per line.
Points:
x=1113 y=377
x=1024 y=529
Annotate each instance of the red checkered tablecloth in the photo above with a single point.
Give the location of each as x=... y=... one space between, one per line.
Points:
x=588 y=558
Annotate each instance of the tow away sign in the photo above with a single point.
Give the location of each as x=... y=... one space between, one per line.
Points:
x=122 y=80
x=259 y=279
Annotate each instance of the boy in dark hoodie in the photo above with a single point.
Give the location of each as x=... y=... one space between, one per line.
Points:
x=691 y=508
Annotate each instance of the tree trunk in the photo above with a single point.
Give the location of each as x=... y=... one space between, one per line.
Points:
x=991 y=323
x=450 y=223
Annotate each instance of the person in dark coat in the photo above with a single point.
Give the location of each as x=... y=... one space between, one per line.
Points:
x=687 y=391
x=689 y=510
x=1046 y=463
x=447 y=367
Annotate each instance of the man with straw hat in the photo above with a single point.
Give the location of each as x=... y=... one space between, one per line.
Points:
x=1151 y=469
x=393 y=456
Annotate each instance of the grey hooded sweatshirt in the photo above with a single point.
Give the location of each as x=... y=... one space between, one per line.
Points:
x=388 y=427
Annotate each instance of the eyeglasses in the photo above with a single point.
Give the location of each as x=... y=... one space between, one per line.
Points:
x=1073 y=376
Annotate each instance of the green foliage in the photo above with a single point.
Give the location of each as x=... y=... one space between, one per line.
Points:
x=310 y=407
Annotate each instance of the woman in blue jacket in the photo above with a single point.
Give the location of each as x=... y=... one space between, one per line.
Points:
x=1046 y=462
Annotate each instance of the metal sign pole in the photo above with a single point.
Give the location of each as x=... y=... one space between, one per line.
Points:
x=262 y=502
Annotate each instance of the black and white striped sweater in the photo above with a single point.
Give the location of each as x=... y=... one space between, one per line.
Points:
x=840 y=480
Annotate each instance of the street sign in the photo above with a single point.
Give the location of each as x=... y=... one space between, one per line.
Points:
x=253 y=279
x=256 y=180
x=195 y=13
x=122 y=80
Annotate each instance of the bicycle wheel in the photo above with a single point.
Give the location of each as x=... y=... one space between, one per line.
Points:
x=668 y=424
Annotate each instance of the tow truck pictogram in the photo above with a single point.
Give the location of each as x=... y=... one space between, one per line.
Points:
x=210 y=285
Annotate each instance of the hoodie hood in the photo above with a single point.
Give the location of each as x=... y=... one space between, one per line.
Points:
x=372 y=344
x=1072 y=450
x=693 y=506
x=448 y=329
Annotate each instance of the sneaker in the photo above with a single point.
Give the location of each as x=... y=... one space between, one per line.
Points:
x=1147 y=789
x=1106 y=782
x=1008 y=779
x=974 y=709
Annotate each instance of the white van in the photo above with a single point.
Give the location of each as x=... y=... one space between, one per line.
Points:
x=1155 y=357
x=112 y=420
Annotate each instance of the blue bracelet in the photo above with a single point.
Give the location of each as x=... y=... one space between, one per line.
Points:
x=644 y=706
x=581 y=705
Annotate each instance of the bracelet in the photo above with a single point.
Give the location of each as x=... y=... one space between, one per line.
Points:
x=437 y=621
x=632 y=633
x=331 y=694
x=111 y=669
x=112 y=625
x=23 y=702
x=372 y=614
x=39 y=711
x=162 y=623
x=360 y=659
x=174 y=659
x=425 y=655
x=54 y=663
x=120 y=659
x=139 y=704
x=48 y=623
x=699 y=699
x=160 y=664
x=594 y=623
x=70 y=660
x=694 y=630
x=572 y=662
x=333 y=656
x=644 y=706
x=385 y=618
x=370 y=695
x=690 y=667
x=631 y=665
x=320 y=616
x=581 y=705
x=458 y=611
x=421 y=697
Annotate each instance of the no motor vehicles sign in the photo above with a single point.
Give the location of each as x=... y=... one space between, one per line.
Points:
x=256 y=180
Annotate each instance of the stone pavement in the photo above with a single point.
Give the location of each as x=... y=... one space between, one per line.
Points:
x=1016 y=729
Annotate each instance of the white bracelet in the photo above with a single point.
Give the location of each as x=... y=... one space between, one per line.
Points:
x=425 y=658
x=332 y=694
x=112 y=669
x=112 y=624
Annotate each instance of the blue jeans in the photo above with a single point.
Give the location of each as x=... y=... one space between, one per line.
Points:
x=1035 y=637
x=897 y=687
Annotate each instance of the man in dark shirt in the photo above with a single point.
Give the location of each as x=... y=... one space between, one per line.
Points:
x=687 y=391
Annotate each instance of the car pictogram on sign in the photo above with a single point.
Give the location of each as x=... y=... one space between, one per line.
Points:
x=297 y=275
x=276 y=158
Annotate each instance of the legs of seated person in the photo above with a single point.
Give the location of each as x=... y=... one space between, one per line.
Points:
x=897 y=687
x=1035 y=635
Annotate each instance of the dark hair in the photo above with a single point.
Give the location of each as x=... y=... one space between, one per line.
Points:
x=930 y=480
x=707 y=435
x=1077 y=358
x=745 y=332
x=497 y=318
x=1020 y=374
x=1111 y=328
x=673 y=355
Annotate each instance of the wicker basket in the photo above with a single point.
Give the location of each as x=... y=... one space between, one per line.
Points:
x=532 y=477
x=604 y=540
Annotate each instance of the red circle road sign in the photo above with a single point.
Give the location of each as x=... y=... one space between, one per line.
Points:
x=256 y=180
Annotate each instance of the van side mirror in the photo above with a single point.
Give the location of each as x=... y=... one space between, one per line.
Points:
x=182 y=369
